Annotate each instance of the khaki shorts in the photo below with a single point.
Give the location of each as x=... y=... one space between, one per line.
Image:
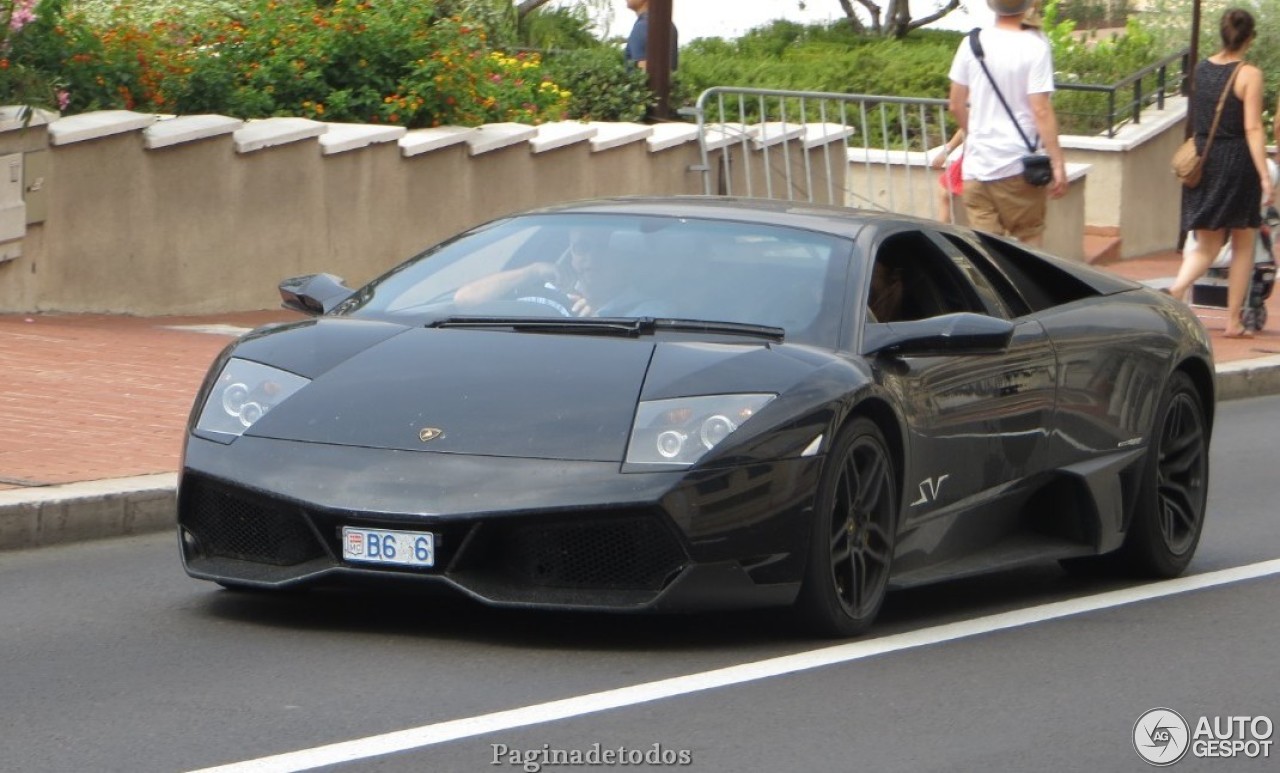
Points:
x=1010 y=206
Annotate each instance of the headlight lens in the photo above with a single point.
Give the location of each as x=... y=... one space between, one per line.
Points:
x=683 y=430
x=244 y=392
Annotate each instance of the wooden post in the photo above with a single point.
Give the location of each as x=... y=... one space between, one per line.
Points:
x=658 y=59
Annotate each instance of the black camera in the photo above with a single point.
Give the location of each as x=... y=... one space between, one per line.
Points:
x=1037 y=170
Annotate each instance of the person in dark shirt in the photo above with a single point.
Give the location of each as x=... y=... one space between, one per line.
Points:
x=637 y=48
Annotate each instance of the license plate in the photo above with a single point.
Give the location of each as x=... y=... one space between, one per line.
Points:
x=383 y=546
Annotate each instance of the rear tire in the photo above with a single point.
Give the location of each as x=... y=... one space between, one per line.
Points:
x=854 y=525
x=1169 y=515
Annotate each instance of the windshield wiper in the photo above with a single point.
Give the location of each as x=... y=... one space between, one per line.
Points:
x=579 y=325
x=724 y=328
x=631 y=327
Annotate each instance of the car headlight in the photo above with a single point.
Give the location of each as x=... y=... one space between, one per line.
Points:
x=244 y=392
x=681 y=431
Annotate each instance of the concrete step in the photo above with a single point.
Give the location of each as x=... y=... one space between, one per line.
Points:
x=1102 y=244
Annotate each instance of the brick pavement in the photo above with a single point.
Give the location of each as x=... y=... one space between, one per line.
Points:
x=87 y=397
x=91 y=397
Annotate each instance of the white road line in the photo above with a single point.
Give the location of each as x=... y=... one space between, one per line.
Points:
x=453 y=730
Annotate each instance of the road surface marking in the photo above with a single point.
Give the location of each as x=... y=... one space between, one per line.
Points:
x=582 y=705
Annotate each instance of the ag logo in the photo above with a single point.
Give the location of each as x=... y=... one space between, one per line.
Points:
x=1161 y=737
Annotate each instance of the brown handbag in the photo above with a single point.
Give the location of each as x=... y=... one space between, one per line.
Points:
x=1188 y=164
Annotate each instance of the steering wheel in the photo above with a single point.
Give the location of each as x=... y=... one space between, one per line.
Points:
x=551 y=297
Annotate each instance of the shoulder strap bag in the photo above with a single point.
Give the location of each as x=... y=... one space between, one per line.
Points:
x=1037 y=169
x=1188 y=163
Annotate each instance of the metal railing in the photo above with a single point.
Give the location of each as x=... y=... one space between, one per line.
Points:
x=1117 y=114
x=804 y=145
x=765 y=137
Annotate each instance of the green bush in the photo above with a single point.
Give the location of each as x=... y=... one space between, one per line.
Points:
x=405 y=62
x=603 y=88
x=429 y=62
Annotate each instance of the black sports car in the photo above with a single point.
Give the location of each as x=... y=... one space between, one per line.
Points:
x=673 y=404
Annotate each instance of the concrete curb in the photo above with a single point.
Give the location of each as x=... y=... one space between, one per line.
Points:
x=1249 y=378
x=96 y=509
x=145 y=504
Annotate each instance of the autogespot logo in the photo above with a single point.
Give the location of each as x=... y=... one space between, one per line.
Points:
x=1161 y=737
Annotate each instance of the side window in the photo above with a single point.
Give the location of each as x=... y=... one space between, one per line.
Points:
x=1039 y=282
x=1001 y=284
x=912 y=278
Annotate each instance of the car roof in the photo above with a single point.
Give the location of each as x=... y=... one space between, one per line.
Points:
x=837 y=221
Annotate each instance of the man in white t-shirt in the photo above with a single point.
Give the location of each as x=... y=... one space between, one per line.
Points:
x=996 y=197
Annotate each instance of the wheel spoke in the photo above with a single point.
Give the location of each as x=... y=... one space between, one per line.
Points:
x=1180 y=451
x=872 y=484
x=840 y=552
x=1179 y=443
x=850 y=483
x=1178 y=508
x=859 y=590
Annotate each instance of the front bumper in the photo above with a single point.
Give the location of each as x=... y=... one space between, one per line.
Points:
x=509 y=532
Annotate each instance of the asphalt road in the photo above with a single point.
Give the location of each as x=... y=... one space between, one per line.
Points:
x=111 y=659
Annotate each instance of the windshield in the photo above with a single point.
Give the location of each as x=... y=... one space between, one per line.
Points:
x=622 y=266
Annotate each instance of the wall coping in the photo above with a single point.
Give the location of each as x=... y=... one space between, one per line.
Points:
x=188 y=128
x=10 y=120
x=270 y=132
x=1133 y=135
x=722 y=135
x=495 y=136
x=668 y=135
x=418 y=141
x=770 y=133
x=560 y=134
x=612 y=135
x=257 y=134
x=825 y=134
x=344 y=137
x=96 y=125
x=915 y=158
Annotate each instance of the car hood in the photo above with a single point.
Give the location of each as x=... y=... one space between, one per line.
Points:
x=501 y=393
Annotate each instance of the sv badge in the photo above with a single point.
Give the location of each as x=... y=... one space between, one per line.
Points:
x=427 y=434
x=929 y=490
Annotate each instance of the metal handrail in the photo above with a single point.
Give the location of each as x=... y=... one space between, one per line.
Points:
x=1132 y=110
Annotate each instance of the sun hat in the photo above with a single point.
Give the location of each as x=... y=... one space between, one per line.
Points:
x=1010 y=7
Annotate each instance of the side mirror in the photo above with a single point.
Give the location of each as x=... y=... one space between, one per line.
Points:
x=313 y=294
x=962 y=333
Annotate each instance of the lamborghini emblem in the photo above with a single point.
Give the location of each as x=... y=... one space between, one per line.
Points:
x=427 y=434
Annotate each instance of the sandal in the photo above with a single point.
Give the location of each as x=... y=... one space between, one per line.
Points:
x=1241 y=333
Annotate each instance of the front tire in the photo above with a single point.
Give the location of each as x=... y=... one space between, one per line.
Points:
x=1169 y=515
x=854 y=525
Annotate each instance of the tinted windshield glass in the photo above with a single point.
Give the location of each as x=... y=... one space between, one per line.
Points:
x=575 y=265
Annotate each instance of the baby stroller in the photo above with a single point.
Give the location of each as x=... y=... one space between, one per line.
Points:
x=1211 y=290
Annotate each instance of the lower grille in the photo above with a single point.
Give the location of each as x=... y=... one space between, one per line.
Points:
x=616 y=553
x=229 y=524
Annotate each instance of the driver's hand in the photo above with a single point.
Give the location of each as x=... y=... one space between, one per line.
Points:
x=543 y=272
x=580 y=306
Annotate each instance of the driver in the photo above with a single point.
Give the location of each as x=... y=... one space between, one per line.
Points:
x=595 y=278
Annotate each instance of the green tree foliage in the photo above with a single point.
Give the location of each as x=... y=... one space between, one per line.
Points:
x=405 y=62
x=425 y=62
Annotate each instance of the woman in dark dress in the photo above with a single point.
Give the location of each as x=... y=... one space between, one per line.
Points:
x=1236 y=183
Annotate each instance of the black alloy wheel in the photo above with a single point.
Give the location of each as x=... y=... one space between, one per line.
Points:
x=854 y=525
x=1169 y=516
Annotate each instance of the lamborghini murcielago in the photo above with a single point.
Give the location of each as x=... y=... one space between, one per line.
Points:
x=698 y=402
